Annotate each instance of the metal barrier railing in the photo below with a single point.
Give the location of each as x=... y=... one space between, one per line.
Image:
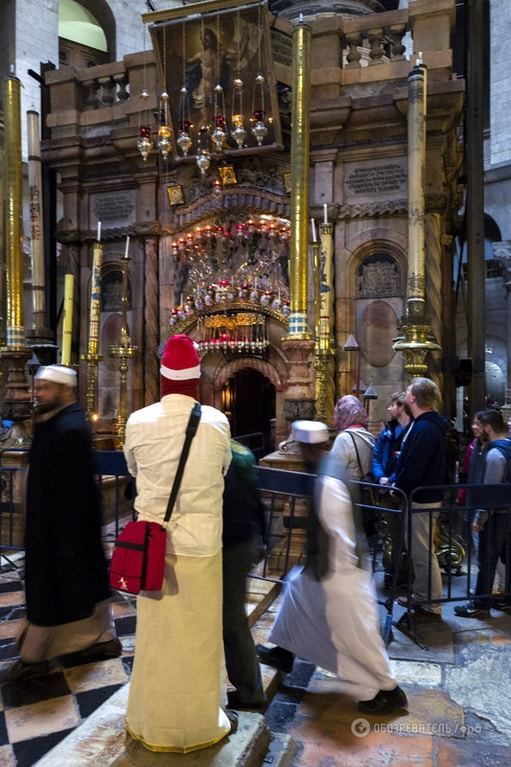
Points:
x=287 y=494
x=450 y=543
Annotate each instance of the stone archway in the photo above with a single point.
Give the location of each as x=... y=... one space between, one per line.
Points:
x=254 y=390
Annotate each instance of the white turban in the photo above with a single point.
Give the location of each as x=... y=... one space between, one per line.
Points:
x=310 y=432
x=59 y=374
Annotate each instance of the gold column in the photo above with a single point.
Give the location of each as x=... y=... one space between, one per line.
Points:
x=13 y=213
x=92 y=358
x=298 y=345
x=36 y=220
x=417 y=339
x=325 y=343
x=300 y=159
x=17 y=403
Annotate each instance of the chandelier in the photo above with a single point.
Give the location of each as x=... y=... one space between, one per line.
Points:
x=238 y=266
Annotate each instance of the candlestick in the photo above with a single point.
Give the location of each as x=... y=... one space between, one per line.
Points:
x=95 y=298
x=127 y=247
x=67 y=322
x=99 y=232
x=325 y=213
x=313 y=225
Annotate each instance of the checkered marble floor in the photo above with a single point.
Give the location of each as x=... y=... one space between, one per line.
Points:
x=36 y=714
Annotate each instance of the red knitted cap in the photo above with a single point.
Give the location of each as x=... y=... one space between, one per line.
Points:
x=180 y=361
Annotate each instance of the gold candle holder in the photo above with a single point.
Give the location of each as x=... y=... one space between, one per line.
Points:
x=123 y=351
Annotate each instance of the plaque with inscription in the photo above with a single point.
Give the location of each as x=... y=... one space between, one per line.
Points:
x=117 y=208
x=371 y=180
x=377 y=276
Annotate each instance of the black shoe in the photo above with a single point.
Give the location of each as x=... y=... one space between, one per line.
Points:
x=110 y=649
x=235 y=700
x=233 y=718
x=501 y=603
x=22 y=670
x=384 y=702
x=472 y=610
x=277 y=657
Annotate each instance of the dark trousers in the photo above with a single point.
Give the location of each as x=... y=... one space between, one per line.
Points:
x=240 y=653
x=494 y=542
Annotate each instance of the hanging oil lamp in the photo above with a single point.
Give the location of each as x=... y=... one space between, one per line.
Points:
x=164 y=132
x=238 y=132
x=259 y=129
x=219 y=133
x=144 y=143
x=184 y=140
x=203 y=158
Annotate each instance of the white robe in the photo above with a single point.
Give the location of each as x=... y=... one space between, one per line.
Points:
x=334 y=623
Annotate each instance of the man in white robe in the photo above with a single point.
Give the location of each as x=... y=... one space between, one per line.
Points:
x=178 y=682
x=333 y=621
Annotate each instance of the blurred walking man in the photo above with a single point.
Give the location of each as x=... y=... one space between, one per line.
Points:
x=66 y=580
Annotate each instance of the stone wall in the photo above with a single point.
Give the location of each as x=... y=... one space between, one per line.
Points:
x=500 y=77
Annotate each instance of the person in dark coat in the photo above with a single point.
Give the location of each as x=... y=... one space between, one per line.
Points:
x=242 y=540
x=66 y=579
x=422 y=464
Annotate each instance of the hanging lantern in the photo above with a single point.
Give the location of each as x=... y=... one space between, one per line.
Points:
x=203 y=161
x=203 y=158
x=164 y=145
x=164 y=132
x=184 y=140
x=238 y=132
x=259 y=129
x=144 y=143
x=219 y=134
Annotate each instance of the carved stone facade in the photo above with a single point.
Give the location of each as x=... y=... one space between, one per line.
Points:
x=361 y=98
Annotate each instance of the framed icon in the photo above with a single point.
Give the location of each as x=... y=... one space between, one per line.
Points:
x=175 y=194
x=227 y=175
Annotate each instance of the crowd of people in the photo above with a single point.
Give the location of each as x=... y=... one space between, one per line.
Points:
x=194 y=632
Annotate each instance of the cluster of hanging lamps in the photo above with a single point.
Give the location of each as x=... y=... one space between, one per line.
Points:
x=213 y=134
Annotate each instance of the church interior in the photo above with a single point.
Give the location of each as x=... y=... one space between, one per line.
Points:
x=313 y=191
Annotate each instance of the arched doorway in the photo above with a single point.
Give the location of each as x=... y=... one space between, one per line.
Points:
x=248 y=399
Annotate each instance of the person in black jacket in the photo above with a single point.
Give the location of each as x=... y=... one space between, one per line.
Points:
x=243 y=539
x=422 y=463
x=66 y=580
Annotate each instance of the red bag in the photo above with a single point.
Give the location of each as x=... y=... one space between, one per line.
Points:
x=138 y=559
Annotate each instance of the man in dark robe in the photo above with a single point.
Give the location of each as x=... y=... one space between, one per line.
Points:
x=66 y=580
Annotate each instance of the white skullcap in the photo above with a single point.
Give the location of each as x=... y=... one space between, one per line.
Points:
x=310 y=432
x=59 y=374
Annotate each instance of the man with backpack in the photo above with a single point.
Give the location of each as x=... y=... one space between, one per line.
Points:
x=493 y=525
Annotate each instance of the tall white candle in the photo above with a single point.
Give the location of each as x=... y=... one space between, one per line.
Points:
x=325 y=213
x=313 y=225
x=98 y=238
x=127 y=247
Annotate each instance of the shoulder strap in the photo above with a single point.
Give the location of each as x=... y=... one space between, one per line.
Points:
x=191 y=429
x=356 y=451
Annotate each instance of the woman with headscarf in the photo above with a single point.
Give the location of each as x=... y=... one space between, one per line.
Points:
x=353 y=446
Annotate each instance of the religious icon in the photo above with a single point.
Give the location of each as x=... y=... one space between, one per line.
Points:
x=227 y=175
x=175 y=194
